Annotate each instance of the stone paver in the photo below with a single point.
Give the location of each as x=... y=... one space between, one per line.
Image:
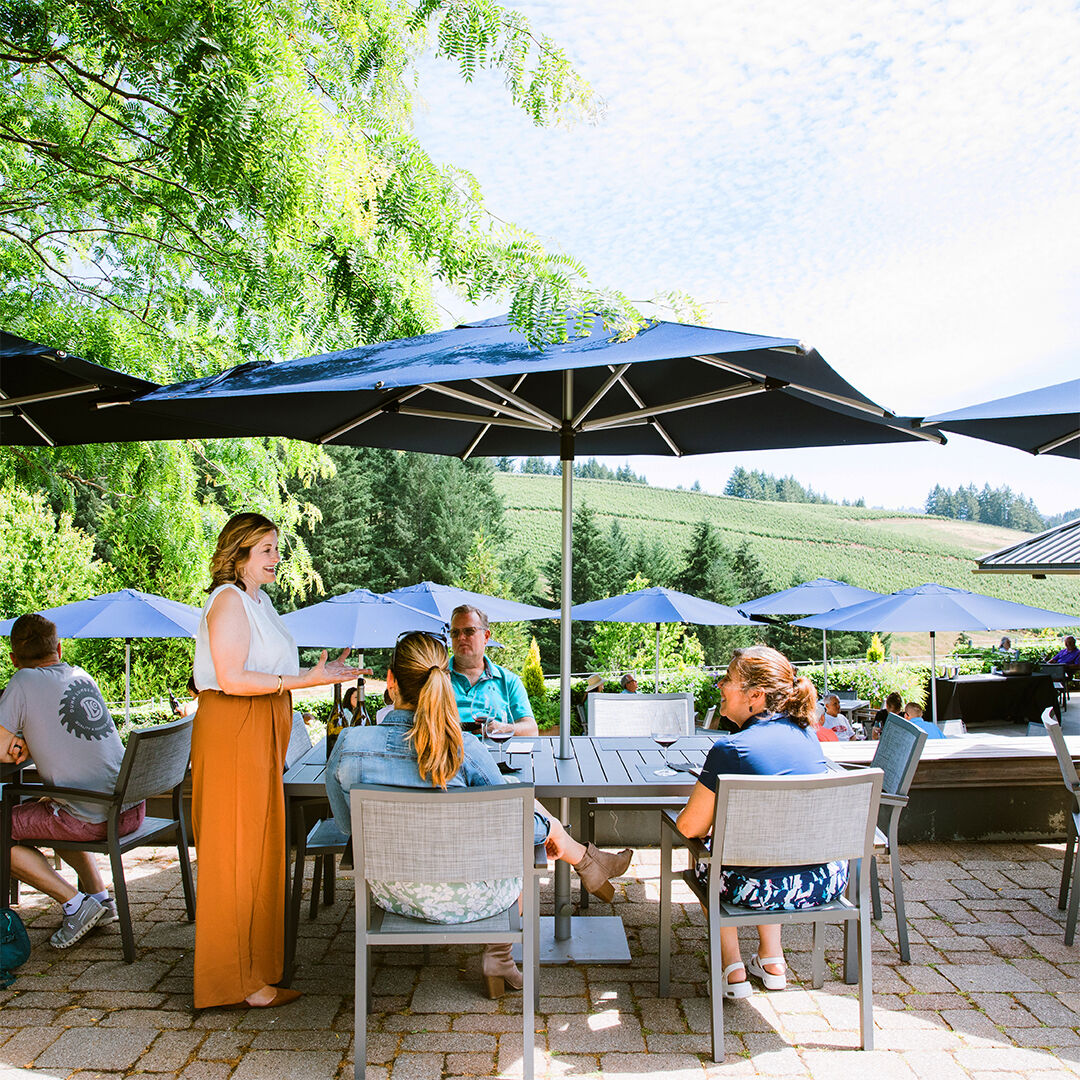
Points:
x=992 y=994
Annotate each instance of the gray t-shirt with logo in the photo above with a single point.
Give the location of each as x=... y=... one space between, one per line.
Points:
x=68 y=730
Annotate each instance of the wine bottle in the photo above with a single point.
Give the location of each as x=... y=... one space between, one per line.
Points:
x=335 y=721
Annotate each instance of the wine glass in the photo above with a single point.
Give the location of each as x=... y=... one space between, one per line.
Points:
x=499 y=732
x=481 y=720
x=664 y=739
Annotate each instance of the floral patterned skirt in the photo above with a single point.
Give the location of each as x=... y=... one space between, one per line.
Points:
x=446 y=901
x=781 y=892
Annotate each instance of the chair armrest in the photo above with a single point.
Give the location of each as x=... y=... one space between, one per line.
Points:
x=540 y=859
x=893 y=800
x=37 y=791
x=694 y=844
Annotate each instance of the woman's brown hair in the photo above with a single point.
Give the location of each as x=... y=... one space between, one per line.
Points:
x=765 y=669
x=421 y=667
x=241 y=533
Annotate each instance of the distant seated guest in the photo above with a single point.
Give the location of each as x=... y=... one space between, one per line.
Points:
x=835 y=721
x=594 y=683
x=628 y=683
x=894 y=705
x=1069 y=655
x=1005 y=645
x=185 y=708
x=387 y=707
x=823 y=733
x=913 y=714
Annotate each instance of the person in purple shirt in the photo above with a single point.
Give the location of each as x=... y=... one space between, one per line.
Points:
x=1069 y=655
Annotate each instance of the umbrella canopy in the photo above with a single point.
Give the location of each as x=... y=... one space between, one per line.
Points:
x=1056 y=551
x=937 y=607
x=125 y=614
x=441 y=600
x=360 y=619
x=811 y=598
x=48 y=398
x=658 y=605
x=1044 y=421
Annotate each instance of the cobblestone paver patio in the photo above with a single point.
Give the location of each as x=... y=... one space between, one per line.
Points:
x=991 y=993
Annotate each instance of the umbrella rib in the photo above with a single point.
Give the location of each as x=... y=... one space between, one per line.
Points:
x=648 y=411
x=656 y=425
x=36 y=428
x=1055 y=443
x=484 y=430
x=363 y=418
x=615 y=376
x=487 y=403
x=49 y=395
x=520 y=402
x=471 y=418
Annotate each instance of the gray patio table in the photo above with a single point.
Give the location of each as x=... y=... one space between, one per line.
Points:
x=600 y=767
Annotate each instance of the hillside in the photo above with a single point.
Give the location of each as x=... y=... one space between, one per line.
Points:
x=876 y=549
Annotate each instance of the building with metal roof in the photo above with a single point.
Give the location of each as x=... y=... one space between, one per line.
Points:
x=1056 y=551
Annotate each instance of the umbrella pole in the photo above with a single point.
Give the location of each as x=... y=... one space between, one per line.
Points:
x=657 y=658
x=825 y=660
x=127 y=680
x=933 y=678
x=562 y=928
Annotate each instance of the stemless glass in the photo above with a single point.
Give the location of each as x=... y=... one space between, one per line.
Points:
x=664 y=739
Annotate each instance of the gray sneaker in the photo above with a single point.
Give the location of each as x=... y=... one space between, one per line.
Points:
x=74 y=926
x=109 y=904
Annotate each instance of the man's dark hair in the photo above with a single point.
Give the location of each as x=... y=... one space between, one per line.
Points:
x=33 y=638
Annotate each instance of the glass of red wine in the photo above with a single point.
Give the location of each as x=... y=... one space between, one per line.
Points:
x=664 y=739
x=499 y=732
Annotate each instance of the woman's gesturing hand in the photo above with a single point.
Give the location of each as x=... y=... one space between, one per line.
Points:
x=334 y=671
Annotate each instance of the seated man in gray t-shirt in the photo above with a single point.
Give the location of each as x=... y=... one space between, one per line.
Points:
x=55 y=713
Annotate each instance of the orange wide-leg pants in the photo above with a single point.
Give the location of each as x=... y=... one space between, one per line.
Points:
x=238 y=749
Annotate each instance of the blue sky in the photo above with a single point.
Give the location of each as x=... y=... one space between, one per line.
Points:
x=893 y=183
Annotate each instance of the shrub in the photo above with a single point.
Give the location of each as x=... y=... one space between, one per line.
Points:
x=532 y=674
x=876 y=653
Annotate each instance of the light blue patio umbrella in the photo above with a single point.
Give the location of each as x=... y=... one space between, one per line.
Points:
x=360 y=619
x=811 y=598
x=125 y=614
x=659 y=605
x=441 y=600
x=937 y=607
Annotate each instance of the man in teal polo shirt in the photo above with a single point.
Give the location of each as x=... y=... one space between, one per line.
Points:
x=481 y=687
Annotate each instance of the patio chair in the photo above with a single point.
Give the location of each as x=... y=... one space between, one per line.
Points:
x=155 y=762
x=1070 y=869
x=897 y=756
x=708 y=719
x=431 y=836
x=777 y=821
x=635 y=715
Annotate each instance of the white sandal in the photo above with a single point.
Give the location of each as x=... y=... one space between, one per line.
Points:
x=756 y=967
x=733 y=991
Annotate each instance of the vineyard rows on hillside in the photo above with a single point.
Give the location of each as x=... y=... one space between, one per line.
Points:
x=870 y=548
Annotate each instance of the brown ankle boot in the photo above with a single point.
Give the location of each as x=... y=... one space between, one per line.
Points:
x=596 y=867
x=499 y=970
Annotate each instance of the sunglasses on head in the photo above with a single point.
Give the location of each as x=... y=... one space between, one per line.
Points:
x=440 y=638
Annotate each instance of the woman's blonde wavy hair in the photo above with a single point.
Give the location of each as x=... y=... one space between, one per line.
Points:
x=241 y=533
x=765 y=669
x=421 y=667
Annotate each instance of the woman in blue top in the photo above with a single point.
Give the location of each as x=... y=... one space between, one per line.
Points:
x=773 y=708
x=420 y=744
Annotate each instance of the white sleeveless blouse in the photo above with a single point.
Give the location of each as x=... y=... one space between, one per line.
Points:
x=272 y=649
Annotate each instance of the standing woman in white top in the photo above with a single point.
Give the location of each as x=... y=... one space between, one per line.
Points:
x=245 y=665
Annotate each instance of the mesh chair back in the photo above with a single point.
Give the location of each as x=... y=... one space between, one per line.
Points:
x=468 y=834
x=795 y=820
x=640 y=714
x=155 y=761
x=897 y=754
x=1065 y=761
x=299 y=741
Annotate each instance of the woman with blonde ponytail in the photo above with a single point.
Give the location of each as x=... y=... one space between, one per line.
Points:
x=419 y=743
x=774 y=709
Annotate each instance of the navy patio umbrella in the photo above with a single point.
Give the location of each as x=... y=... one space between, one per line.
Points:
x=125 y=614
x=811 y=598
x=1043 y=421
x=659 y=605
x=481 y=389
x=441 y=600
x=937 y=607
x=50 y=398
